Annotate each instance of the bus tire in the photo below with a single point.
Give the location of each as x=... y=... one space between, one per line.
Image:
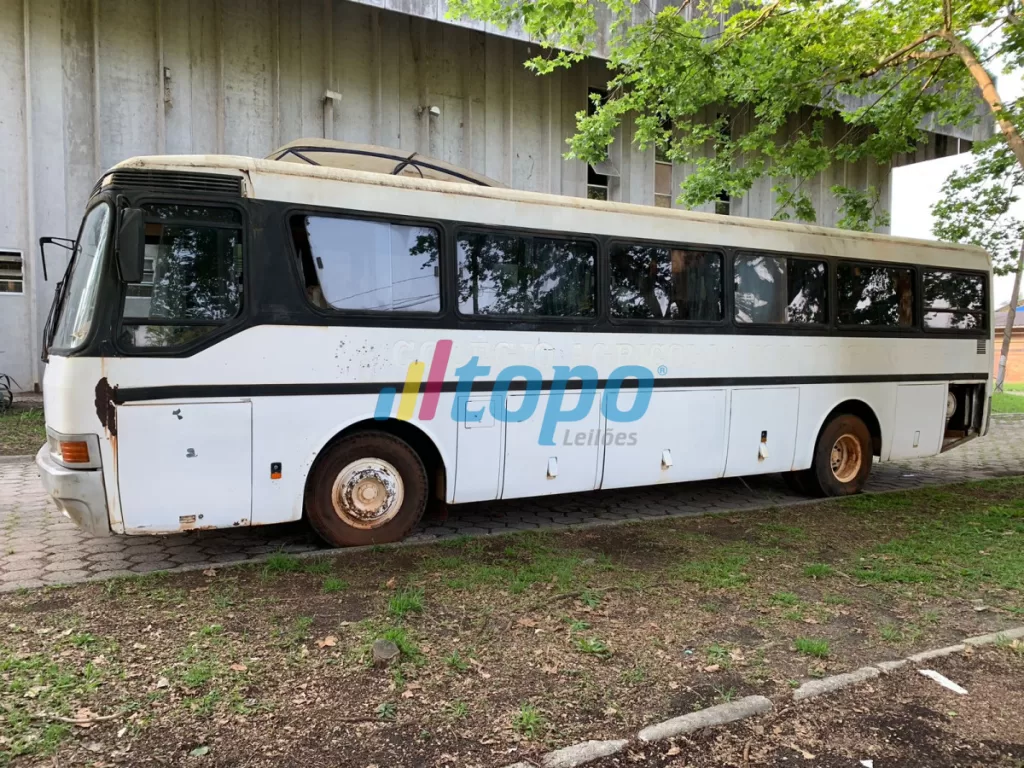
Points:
x=842 y=457
x=368 y=488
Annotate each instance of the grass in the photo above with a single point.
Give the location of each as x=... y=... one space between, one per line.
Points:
x=537 y=616
x=36 y=682
x=968 y=547
x=22 y=432
x=785 y=598
x=528 y=721
x=333 y=584
x=455 y=661
x=457 y=710
x=811 y=647
x=405 y=602
x=593 y=645
x=1006 y=403
x=818 y=570
x=528 y=560
x=722 y=569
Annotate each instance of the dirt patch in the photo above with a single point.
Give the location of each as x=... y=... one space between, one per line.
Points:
x=515 y=645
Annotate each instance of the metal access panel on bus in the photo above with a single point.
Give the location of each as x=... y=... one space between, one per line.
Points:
x=184 y=466
x=571 y=464
x=920 y=420
x=762 y=430
x=680 y=437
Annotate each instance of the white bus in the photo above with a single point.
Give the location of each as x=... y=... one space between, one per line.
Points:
x=242 y=342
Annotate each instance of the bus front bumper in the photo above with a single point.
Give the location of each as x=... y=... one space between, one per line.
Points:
x=78 y=493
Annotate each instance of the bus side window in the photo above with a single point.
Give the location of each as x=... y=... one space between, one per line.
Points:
x=953 y=301
x=310 y=281
x=875 y=296
x=366 y=265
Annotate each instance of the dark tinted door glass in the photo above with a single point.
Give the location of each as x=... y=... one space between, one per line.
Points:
x=192 y=279
x=780 y=289
x=661 y=283
x=505 y=274
x=953 y=300
x=873 y=296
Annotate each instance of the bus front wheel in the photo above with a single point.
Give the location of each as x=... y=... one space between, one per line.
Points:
x=369 y=488
x=842 y=458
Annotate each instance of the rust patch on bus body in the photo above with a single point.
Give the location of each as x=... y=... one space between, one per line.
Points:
x=105 y=407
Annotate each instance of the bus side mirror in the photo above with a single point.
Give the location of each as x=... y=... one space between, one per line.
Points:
x=131 y=243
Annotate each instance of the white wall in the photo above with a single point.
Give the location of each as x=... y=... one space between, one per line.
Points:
x=83 y=87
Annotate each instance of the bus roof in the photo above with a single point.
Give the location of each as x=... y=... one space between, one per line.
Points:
x=317 y=185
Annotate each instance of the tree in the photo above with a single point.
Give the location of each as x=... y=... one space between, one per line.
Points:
x=788 y=68
x=975 y=208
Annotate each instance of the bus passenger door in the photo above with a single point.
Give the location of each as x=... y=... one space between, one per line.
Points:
x=533 y=469
x=182 y=466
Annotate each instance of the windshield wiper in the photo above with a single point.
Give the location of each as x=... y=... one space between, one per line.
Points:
x=58 y=294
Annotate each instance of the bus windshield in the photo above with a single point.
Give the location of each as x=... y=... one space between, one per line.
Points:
x=79 y=299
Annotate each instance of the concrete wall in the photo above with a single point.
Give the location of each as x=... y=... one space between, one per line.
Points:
x=87 y=83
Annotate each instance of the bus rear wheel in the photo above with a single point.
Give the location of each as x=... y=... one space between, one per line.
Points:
x=842 y=457
x=370 y=488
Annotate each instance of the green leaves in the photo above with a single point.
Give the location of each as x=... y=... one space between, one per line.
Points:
x=785 y=89
x=976 y=202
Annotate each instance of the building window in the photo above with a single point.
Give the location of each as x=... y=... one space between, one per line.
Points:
x=370 y=266
x=953 y=300
x=780 y=289
x=662 y=179
x=597 y=183
x=12 y=272
x=723 y=204
x=507 y=274
x=656 y=282
x=880 y=297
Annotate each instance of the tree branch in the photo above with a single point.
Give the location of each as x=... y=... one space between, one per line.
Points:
x=988 y=93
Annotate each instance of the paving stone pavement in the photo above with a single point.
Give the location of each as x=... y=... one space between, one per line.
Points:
x=39 y=546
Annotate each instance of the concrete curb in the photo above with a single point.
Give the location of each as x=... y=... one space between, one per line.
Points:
x=936 y=653
x=16 y=459
x=838 y=682
x=577 y=754
x=828 y=684
x=705 y=718
x=994 y=637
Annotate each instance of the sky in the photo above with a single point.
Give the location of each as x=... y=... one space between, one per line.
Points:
x=916 y=188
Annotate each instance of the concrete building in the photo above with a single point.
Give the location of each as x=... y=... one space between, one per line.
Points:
x=87 y=83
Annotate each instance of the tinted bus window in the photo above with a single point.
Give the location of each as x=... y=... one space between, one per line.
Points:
x=372 y=266
x=953 y=300
x=506 y=274
x=878 y=297
x=192 y=278
x=780 y=289
x=661 y=283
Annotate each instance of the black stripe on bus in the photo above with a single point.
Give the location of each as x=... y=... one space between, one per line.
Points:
x=197 y=391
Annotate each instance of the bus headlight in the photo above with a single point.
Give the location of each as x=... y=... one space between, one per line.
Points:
x=74 y=451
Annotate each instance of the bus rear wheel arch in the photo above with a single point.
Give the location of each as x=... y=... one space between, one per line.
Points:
x=842 y=458
x=367 y=487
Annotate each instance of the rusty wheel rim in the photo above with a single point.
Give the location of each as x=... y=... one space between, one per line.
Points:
x=368 y=493
x=847 y=458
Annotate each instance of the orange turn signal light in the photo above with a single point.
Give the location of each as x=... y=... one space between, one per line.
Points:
x=76 y=452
